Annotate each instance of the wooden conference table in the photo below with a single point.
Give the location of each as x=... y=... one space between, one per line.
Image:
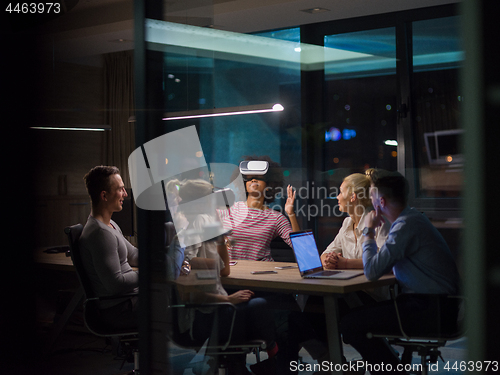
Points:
x=283 y=281
x=289 y=281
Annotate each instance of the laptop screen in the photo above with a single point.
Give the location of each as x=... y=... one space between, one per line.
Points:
x=306 y=251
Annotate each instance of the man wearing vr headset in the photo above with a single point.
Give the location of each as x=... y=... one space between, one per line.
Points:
x=253 y=224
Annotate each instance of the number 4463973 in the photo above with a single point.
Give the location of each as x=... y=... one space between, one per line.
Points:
x=471 y=366
x=33 y=8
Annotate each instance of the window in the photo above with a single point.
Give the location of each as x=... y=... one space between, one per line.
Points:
x=437 y=58
x=361 y=101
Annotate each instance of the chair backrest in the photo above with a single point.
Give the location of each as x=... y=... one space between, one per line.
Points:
x=281 y=251
x=91 y=310
x=74 y=232
x=442 y=313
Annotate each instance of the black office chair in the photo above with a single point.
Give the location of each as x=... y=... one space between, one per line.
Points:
x=220 y=351
x=127 y=338
x=281 y=251
x=425 y=343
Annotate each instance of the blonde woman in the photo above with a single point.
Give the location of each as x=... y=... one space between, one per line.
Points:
x=346 y=250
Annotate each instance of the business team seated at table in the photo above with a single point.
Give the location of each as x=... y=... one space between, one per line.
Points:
x=381 y=234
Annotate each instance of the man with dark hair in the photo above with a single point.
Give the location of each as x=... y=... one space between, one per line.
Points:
x=420 y=259
x=392 y=185
x=97 y=180
x=106 y=255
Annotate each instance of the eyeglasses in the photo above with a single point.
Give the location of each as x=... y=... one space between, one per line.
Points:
x=250 y=178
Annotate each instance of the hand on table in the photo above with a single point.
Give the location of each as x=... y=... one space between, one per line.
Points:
x=341 y=261
x=331 y=261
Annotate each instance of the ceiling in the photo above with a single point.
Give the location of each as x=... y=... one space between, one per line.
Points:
x=90 y=28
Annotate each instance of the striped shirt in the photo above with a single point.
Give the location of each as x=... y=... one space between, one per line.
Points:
x=253 y=230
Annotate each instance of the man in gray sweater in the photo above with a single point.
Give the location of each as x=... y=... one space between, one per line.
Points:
x=107 y=256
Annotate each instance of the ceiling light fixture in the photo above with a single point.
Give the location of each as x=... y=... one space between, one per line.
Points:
x=88 y=128
x=228 y=111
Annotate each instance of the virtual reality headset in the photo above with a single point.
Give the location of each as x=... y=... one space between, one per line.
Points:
x=254 y=167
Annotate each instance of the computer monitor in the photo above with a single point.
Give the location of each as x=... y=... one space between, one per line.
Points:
x=443 y=147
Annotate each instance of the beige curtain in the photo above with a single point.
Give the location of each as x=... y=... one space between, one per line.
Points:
x=119 y=97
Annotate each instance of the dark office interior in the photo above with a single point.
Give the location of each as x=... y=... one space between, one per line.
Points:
x=419 y=74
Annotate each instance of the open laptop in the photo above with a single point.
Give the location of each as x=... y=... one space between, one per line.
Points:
x=309 y=261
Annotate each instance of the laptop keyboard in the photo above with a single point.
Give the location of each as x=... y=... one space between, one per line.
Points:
x=326 y=273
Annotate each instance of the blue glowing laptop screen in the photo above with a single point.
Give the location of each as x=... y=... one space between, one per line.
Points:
x=306 y=251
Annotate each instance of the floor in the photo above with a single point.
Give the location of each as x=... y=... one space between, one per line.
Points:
x=79 y=352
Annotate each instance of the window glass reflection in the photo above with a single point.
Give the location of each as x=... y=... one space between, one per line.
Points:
x=361 y=102
x=360 y=129
x=437 y=57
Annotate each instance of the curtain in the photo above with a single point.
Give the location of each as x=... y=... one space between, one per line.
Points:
x=119 y=98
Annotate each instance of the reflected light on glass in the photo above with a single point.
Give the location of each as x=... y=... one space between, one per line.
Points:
x=333 y=134
x=391 y=142
x=230 y=111
x=97 y=129
x=349 y=133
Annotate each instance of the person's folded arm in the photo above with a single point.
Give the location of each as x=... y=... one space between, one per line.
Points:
x=377 y=264
x=347 y=263
x=334 y=247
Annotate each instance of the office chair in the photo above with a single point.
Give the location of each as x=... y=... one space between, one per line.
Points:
x=281 y=251
x=128 y=338
x=425 y=344
x=222 y=352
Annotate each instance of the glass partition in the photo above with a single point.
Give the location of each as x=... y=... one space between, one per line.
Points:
x=360 y=128
x=437 y=58
x=361 y=96
x=208 y=70
x=339 y=97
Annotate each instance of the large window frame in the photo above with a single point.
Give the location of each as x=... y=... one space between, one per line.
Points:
x=434 y=208
x=150 y=101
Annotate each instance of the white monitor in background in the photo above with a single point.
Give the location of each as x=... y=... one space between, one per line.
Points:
x=443 y=147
